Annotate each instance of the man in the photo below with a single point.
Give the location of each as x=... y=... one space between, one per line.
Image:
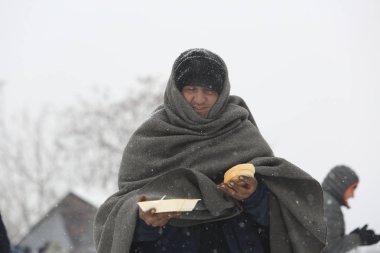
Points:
x=339 y=186
x=183 y=151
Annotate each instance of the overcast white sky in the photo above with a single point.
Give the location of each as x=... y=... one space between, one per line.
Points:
x=309 y=70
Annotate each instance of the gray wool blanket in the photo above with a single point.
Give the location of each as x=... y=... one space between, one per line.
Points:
x=181 y=155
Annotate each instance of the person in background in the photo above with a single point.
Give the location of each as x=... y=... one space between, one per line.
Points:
x=4 y=241
x=183 y=151
x=338 y=187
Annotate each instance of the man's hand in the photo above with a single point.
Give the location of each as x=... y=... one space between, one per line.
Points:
x=241 y=190
x=154 y=219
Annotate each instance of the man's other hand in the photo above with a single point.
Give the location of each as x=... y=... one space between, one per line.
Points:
x=241 y=189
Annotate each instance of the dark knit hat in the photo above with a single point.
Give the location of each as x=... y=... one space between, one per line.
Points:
x=338 y=180
x=201 y=67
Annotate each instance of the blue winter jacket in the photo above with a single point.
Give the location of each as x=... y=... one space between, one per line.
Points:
x=246 y=232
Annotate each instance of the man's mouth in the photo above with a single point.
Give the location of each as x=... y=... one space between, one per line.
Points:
x=200 y=109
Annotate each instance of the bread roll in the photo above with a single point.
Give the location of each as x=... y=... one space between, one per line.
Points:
x=245 y=169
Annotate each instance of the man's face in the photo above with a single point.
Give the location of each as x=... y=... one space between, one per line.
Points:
x=202 y=99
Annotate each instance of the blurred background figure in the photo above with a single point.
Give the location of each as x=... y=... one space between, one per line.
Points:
x=338 y=186
x=4 y=241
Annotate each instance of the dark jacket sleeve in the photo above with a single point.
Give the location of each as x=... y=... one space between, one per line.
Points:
x=4 y=241
x=257 y=205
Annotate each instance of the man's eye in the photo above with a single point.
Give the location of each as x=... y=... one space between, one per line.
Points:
x=189 y=88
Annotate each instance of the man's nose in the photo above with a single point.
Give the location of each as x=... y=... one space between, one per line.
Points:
x=199 y=97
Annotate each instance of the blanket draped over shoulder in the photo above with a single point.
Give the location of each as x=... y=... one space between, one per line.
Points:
x=181 y=155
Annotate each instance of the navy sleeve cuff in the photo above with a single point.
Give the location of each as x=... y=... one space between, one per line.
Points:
x=257 y=205
x=144 y=232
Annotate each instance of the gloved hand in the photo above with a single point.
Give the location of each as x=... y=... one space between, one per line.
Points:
x=367 y=236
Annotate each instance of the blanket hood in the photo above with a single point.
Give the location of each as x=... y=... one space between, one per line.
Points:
x=175 y=103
